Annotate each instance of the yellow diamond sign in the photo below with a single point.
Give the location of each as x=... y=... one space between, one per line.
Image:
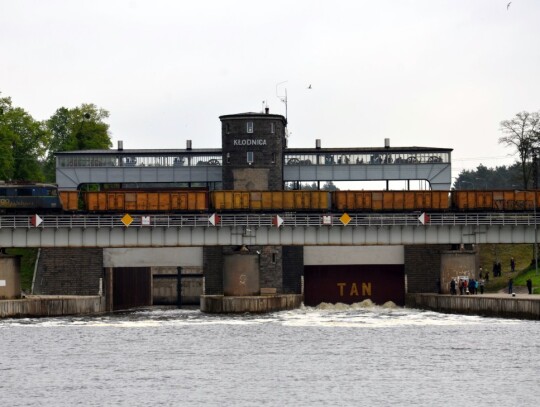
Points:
x=126 y=219
x=345 y=219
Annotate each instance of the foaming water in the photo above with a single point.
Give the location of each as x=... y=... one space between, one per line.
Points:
x=359 y=354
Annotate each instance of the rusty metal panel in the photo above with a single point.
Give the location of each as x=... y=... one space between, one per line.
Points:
x=147 y=201
x=340 y=199
x=349 y=284
x=132 y=287
x=218 y=200
x=70 y=200
x=377 y=201
x=387 y=201
x=101 y=201
x=441 y=200
x=409 y=200
x=367 y=201
x=255 y=201
x=288 y=200
x=164 y=202
x=459 y=200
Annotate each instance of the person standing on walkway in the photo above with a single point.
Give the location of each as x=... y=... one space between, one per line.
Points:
x=529 y=286
x=510 y=285
x=512 y=264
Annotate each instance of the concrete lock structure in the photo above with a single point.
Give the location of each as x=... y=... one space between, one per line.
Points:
x=253 y=157
x=10 y=280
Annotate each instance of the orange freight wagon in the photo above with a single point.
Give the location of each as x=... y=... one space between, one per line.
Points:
x=390 y=201
x=270 y=201
x=146 y=201
x=499 y=200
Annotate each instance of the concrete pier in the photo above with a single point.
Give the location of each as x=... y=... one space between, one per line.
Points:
x=218 y=304
x=52 y=306
x=522 y=306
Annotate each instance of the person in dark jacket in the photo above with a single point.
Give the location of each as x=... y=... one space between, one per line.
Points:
x=510 y=285
x=529 y=286
x=453 y=287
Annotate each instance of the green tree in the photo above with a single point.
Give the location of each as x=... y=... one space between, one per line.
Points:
x=23 y=143
x=502 y=177
x=521 y=132
x=80 y=128
x=329 y=186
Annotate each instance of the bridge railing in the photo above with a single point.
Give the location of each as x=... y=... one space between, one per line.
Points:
x=267 y=220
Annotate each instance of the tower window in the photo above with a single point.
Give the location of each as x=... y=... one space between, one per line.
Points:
x=273 y=158
x=250 y=157
x=227 y=128
x=272 y=127
x=273 y=257
x=228 y=158
x=250 y=127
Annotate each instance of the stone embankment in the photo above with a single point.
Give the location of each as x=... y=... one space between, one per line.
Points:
x=52 y=306
x=218 y=304
x=522 y=306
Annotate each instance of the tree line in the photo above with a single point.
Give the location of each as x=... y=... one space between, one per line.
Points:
x=521 y=133
x=27 y=145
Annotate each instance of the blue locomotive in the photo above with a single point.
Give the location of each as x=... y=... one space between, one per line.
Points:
x=26 y=198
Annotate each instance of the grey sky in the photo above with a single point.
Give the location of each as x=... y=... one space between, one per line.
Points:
x=423 y=73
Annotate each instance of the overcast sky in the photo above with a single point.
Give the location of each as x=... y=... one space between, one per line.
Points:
x=426 y=73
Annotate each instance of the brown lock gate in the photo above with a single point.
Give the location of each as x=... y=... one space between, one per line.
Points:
x=349 y=284
x=132 y=287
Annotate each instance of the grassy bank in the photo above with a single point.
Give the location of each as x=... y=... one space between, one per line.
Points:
x=523 y=254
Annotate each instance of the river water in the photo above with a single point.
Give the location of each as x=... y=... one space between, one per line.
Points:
x=325 y=356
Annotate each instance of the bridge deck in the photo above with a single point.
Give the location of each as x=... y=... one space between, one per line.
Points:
x=158 y=230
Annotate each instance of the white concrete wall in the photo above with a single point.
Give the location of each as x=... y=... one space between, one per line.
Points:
x=322 y=255
x=149 y=257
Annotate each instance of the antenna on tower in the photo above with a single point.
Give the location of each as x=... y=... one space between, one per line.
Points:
x=283 y=98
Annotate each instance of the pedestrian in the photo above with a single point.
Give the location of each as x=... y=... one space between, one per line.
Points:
x=529 y=286
x=510 y=285
x=453 y=287
x=481 y=286
x=499 y=269
x=480 y=273
x=512 y=264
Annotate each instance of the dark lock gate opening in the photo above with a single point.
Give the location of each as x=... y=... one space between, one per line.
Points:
x=132 y=287
x=353 y=283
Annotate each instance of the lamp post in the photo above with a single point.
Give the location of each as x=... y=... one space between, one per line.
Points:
x=535 y=237
x=535 y=234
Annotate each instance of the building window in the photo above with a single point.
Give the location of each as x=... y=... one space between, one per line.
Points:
x=227 y=128
x=273 y=158
x=272 y=127
x=250 y=157
x=273 y=257
x=228 y=158
x=250 y=127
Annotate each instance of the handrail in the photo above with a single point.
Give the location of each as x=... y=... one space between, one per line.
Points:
x=267 y=220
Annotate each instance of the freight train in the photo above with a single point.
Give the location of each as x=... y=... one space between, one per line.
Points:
x=31 y=198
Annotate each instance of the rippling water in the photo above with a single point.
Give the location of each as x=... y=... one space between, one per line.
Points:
x=326 y=356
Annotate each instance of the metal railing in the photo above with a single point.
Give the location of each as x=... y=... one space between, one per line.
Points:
x=267 y=220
